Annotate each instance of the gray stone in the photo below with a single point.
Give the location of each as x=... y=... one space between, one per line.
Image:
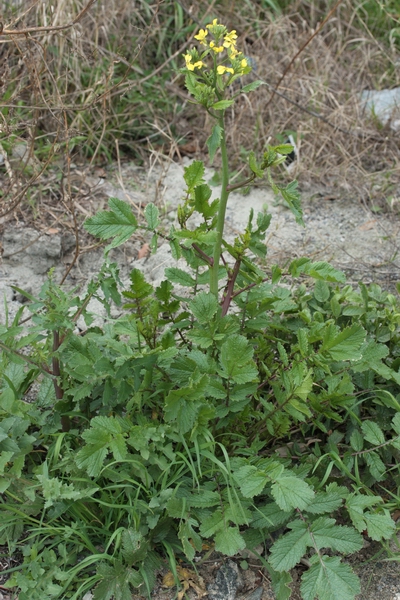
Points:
x=226 y=583
x=385 y=104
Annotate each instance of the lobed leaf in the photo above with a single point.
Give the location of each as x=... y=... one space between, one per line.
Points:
x=329 y=579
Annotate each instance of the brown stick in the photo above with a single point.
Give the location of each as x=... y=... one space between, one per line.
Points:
x=46 y=29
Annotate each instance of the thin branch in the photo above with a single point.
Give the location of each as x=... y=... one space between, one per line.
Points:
x=49 y=28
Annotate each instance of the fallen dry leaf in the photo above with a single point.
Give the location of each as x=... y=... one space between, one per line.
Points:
x=144 y=251
x=188 y=579
x=367 y=225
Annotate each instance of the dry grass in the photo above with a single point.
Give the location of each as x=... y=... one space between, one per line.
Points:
x=343 y=146
x=109 y=85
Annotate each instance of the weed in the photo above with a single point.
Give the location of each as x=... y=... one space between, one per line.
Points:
x=218 y=409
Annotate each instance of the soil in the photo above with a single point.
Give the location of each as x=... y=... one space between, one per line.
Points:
x=339 y=228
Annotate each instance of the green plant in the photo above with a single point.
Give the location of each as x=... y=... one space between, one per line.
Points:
x=224 y=406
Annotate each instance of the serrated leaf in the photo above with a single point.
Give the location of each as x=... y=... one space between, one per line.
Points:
x=345 y=345
x=328 y=501
x=204 y=306
x=379 y=526
x=116 y=582
x=269 y=517
x=119 y=222
x=204 y=499
x=372 y=433
x=254 y=481
x=291 y=492
x=340 y=538
x=229 y=541
x=251 y=86
x=280 y=583
x=236 y=360
x=324 y=271
x=151 y=215
x=376 y=466
x=357 y=440
x=194 y=174
x=321 y=291
x=178 y=276
x=212 y=524
x=289 y=549
x=356 y=504
x=329 y=579
x=91 y=458
x=396 y=423
x=214 y=141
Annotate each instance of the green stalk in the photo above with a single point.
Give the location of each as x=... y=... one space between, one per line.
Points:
x=222 y=209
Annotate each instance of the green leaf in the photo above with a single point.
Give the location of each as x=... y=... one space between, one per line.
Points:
x=151 y=215
x=92 y=458
x=229 y=541
x=251 y=86
x=356 y=504
x=340 y=538
x=214 y=141
x=292 y=196
x=346 y=345
x=289 y=549
x=116 y=582
x=119 y=222
x=134 y=546
x=376 y=466
x=236 y=360
x=280 y=583
x=324 y=271
x=396 y=423
x=210 y=525
x=357 y=440
x=253 y=481
x=269 y=517
x=372 y=433
x=204 y=499
x=222 y=104
x=194 y=174
x=321 y=291
x=329 y=579
x=380 y=526
x=255 y=168
x=291 y=492
x=178 y=276
x=204 y=306
x=328 y=501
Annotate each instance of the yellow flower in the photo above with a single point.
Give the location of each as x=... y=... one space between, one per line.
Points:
x=213 y=24
x=201 y=36
x=233 y=52
x=188 y=61
x=243 y=63
x=230 y=39
x=216 y=48
x=221 y=70
x=191 y=66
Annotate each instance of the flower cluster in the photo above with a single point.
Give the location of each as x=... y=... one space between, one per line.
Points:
x=223 y=40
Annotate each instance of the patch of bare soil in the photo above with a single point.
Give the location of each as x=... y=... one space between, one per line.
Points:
x=339 y=228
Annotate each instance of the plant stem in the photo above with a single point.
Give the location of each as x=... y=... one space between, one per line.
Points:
x=222 y=209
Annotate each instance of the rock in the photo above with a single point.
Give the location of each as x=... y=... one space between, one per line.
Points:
x=226 y=583
x=385 y=105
